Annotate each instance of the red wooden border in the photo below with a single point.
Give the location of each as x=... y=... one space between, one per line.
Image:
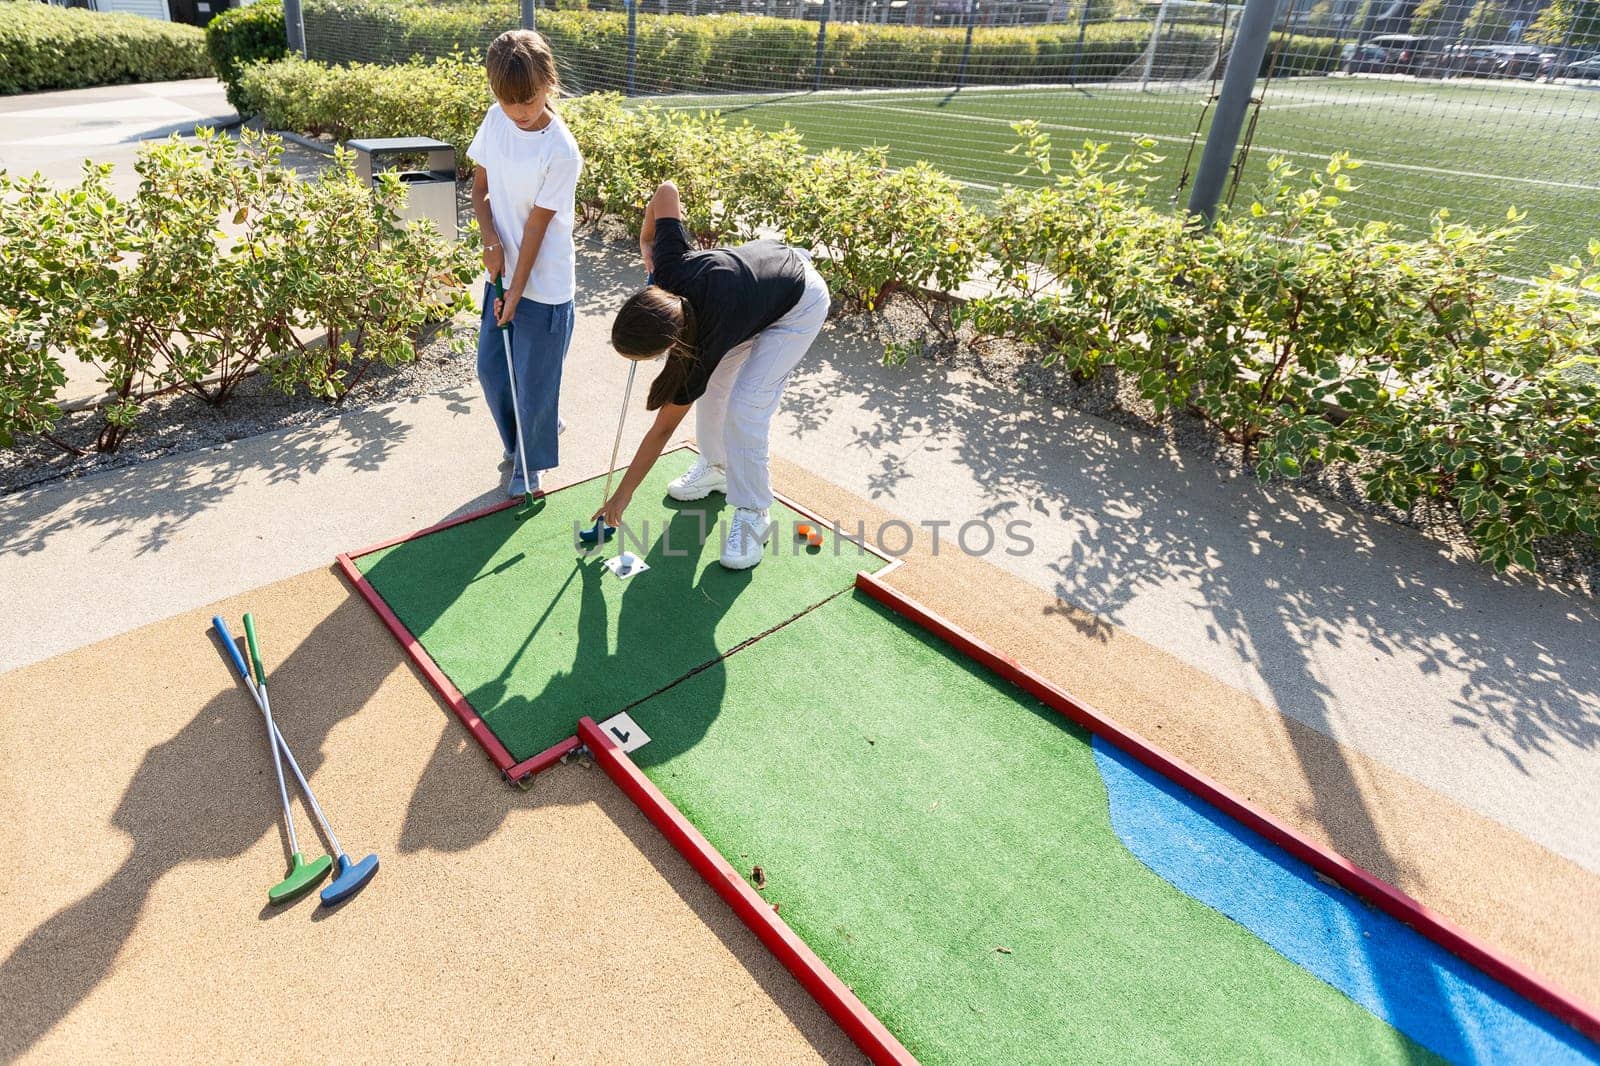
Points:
x=452 y=696
x=1390 y=900
x=842 y=1005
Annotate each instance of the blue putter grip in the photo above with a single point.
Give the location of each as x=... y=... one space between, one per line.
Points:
x=233 y=648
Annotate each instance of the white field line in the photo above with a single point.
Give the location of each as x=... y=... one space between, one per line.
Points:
x=1377 y=164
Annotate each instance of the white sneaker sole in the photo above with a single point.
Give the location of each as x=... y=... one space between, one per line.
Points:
x=748 y=561
x=690 y=495
x=741 y=564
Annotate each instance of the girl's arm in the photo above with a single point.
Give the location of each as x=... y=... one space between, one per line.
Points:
x=664 y=204
x=532 y=237
x=494 y=256
x=650 y=449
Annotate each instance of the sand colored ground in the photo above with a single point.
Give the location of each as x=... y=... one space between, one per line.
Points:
x=553 y=924
x=140 y=837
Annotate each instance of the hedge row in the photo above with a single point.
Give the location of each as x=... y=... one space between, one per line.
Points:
x=1451 y=387
x=46 y=47
x=730 y=53
x=677 y=53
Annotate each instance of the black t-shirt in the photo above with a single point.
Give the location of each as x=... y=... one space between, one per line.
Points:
x=735 y=292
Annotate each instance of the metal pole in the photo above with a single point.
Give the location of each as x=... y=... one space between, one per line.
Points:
x=294 y=27
x=1244 y=67
x=822 y=41
x=966 y=51
x=633 y=42
x=1155 y=42
x=528 y=18
x=1083 y=28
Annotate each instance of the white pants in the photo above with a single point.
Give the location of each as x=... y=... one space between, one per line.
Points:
x=734 y=417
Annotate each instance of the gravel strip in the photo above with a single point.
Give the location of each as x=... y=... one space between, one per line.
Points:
x=179 y=422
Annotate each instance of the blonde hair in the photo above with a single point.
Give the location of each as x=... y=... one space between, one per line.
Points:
x=520 y=66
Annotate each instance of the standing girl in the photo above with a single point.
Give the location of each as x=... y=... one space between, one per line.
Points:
x=522 y=191
x=732 y=324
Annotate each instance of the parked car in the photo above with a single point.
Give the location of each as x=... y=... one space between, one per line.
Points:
x=1519 y=61
x=1405 y=53
x=1364 y=59
x=1465 y=61
x=1583 y=68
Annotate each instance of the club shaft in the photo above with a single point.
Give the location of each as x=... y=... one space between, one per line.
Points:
x=294 y=765
x=516 y=407
x=277 y=767
x=622 y=416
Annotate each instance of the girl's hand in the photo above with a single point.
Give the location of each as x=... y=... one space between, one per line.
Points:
x=494 y=259
x=612 y=510
x=505 y=308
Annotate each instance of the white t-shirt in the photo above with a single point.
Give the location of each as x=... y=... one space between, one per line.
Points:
x=529 y=169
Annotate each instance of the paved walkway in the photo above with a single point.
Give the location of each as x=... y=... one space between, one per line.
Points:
x=1483 y=688
x=53 y=132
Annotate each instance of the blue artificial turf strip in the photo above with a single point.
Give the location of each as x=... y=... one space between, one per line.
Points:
x=1437 y=999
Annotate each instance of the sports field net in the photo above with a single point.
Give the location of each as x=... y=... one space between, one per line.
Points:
x=1476 y=106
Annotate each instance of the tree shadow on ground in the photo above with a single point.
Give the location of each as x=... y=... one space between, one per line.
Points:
x=167 y=493
x=1276 y=578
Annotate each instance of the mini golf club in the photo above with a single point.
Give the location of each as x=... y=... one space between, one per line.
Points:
x=303 y=876
x=602 y=532
x=350 y=876
x=516 y=409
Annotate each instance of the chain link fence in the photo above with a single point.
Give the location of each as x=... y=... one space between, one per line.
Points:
x=1475 y=106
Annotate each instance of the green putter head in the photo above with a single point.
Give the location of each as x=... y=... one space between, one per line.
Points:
x=303 y=877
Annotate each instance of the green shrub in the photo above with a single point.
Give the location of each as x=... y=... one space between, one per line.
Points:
x=734 y=177
x=143 y=289
x=882 y=230
x=1078 y=271
x=47 y=47
x=31 y=377
x=443 y=98
x=370 y=306
x=243 y=35
x=1500 y=399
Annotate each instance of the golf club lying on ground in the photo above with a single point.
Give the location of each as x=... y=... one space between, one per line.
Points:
x=351 y=876
x=303 y=876
x=516 y=409
x=602 y=532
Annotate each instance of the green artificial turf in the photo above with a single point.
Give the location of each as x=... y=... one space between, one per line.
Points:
x=1475 y=147
x=537 y=634
x=944 y=844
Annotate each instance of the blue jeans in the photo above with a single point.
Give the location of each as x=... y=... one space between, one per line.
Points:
x=539 y=336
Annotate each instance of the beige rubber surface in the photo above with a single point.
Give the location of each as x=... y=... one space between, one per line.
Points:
x=140 y=836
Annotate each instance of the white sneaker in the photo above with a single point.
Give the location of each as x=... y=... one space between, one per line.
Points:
x=700 y=481
x=747 y=536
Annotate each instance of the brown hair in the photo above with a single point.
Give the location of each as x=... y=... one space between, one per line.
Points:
x=520 y=65
x=653 y=320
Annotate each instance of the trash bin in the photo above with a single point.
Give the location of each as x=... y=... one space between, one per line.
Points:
x=431 y=193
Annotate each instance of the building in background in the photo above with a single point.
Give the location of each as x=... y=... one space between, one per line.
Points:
x=194 y=12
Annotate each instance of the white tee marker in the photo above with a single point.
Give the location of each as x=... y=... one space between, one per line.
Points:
x=625 y=732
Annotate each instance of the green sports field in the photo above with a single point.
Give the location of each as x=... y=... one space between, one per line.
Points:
x=1475 y=147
